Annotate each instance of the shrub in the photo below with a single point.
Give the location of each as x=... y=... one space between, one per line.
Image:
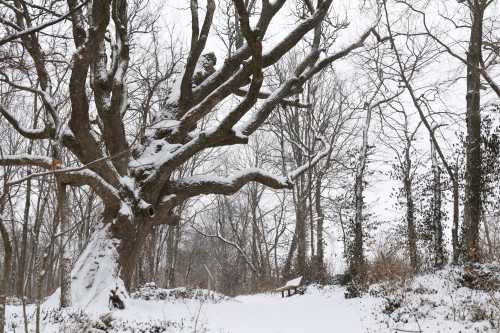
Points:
x=388 y=267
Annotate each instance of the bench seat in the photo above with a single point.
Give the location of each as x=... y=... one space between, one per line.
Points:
x=294 y=285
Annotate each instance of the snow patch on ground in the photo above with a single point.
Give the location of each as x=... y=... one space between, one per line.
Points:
x=150 y=292
x=437 y=302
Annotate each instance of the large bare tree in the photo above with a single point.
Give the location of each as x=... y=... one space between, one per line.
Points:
x=134 y=177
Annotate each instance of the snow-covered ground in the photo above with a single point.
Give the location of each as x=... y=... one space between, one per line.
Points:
x=429 y=303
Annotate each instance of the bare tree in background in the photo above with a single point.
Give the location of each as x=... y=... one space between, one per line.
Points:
x=476 y=68
x=406 y=72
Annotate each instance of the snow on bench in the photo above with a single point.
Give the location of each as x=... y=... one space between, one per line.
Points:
x=292 y=284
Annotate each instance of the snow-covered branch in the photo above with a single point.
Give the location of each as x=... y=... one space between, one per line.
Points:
x=26 y=160
x=322 y=64
x=104 y=190
x=327 y=150
x=33 y=134
x=75 y=176
x=265 y=95
x=198 y=185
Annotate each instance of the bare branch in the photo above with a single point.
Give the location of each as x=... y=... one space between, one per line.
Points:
x=41 y=26
x=228 y=242
x=198 y=41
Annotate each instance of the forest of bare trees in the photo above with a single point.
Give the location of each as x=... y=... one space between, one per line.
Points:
x=244 y=145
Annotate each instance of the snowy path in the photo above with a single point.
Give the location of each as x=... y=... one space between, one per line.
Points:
x=298 y=314
x=267 y=313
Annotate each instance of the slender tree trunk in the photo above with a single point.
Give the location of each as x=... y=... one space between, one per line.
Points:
x=35 y=241
x=410 y=220
x=21 y=276
x=300 y=215
x=287 y=268
x=320 y=246
x=357 y=258
x=172 y=245
x=65 y=256
x=42 y=269
x=456 y=211
x=439 y=258
x=51 y=277
x=311 y=214
x=7 y=263
x=473 y=173
x=488 y=239
x=175 y=256
x=21 y=266
x=357 y=264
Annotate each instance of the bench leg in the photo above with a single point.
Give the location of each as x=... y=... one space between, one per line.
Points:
x=282 y=294
x=289 y=293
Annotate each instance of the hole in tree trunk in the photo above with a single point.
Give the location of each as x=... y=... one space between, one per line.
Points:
x=151 y=211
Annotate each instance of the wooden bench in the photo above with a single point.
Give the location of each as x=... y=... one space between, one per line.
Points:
x=294 y=285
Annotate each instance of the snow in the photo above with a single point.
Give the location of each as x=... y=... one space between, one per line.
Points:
x=294 y=283
x=231 y=180
x=267 y=313
x=315 y=312
x=154 y=155
x=431 y=303
x=128 y=183
x=125 y=209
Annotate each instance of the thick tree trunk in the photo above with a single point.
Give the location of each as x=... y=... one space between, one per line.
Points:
x=131 y=235
x=473 y=173
x=108 y=261
x=97 y=270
